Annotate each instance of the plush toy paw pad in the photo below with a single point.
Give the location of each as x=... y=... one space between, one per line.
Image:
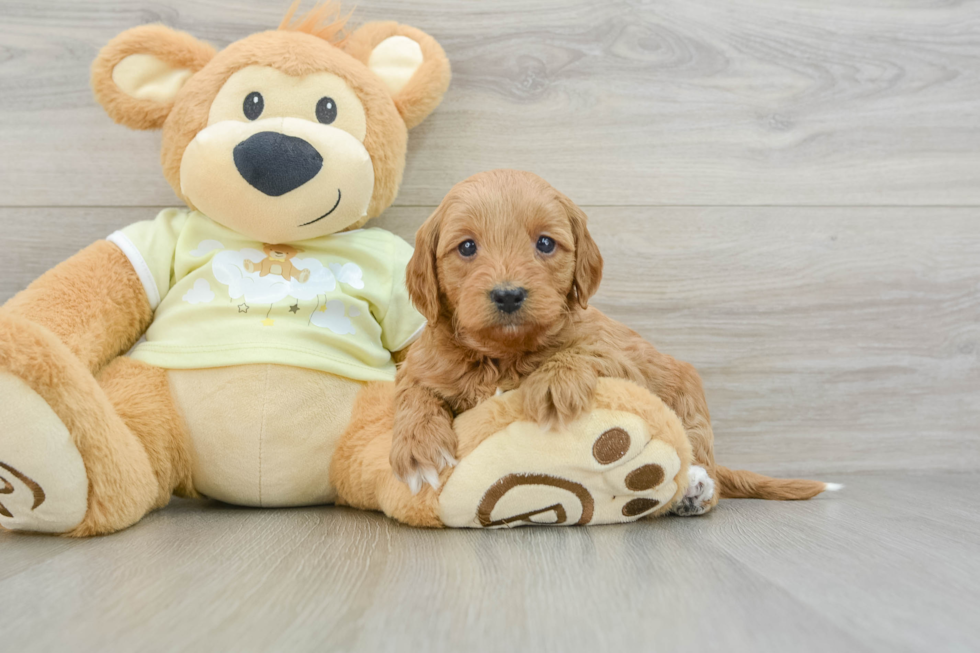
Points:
x=36 y=490
x=43 y=484
x=611 y=446
x=645 y=478
x=604 y=468
x=635 y=507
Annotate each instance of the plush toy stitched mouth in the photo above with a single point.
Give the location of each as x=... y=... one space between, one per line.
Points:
x=336 y=204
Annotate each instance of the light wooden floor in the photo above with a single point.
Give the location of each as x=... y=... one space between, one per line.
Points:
x=891 y=565
x=787 y=194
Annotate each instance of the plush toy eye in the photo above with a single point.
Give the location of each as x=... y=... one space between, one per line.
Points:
x=545 y=245
x=467 y=248
x=253 y=106
x=326 y=110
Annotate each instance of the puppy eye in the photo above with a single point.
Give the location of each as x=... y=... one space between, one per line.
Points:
x=545 y=245
x=253 y=105
x=467 y=248
x=326 y=110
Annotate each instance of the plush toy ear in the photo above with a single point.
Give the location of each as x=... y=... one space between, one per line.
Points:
x=421 y=278
x=137 y=74
x=410 y=62
x=588 y=260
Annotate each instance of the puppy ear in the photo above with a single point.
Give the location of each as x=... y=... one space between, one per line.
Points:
x=137 y=74
x=411 y=63
x=588 y=260
x=421 y=278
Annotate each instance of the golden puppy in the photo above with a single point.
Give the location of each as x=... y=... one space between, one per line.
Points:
x=503 y=270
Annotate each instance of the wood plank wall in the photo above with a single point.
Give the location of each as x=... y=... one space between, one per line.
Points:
x=786 y=191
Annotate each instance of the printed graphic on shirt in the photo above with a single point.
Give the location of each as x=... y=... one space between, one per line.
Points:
x=348 y=273
x=331 y=316
x=206 y=247
x=279 y=261
x=265 y=279
x=200 y=293
x=279 y=272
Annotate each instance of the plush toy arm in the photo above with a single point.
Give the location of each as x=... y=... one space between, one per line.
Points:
x=94 y=302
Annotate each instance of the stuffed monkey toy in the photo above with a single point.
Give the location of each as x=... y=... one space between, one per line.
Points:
x=269 y=314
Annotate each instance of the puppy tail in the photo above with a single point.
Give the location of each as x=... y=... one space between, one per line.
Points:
x=743 y=484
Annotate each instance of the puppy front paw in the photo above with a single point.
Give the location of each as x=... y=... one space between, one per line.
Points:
x=557 y=397
x=418 y=454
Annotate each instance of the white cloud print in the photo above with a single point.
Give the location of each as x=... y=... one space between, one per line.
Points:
x=205 y=247
x=348 y=273
x=229 y=269
x=200 y=293
x=331 y=316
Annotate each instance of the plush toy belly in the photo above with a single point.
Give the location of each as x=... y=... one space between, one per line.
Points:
x=264 y=435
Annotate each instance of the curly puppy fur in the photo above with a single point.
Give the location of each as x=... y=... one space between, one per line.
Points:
x=554 y=346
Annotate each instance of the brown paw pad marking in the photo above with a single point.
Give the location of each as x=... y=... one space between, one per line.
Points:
x=636 y=507
x=645 y=478
x=611 y=446
x=8 y=488
x=511 y=481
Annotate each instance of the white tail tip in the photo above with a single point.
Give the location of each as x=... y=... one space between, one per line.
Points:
x=832 y=487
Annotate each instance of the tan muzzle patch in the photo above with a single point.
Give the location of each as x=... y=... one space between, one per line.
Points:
x=226 y=171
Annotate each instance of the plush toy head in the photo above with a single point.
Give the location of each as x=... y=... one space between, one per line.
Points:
x=284 y=135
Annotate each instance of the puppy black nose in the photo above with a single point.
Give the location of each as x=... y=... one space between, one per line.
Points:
x=508 y=300
x=275 y=163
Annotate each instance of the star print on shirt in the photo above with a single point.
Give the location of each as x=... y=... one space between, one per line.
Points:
x=243 y=308
x=294 y=308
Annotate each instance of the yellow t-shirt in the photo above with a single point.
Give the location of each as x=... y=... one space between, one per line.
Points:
x=336 y=303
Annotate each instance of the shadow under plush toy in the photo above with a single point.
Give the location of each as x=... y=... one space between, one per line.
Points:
x=268 y=311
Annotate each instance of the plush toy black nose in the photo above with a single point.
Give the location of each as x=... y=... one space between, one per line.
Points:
x=508 y=300
x=275 y=163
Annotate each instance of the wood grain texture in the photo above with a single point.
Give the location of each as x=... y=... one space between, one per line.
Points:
x=888 y=564
x=835 y=335
x=829 y=339
x=678 y=102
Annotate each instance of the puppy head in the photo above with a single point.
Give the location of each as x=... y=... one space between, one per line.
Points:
x=503 y=259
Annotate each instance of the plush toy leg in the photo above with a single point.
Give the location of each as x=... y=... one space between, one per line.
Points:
x=142 y=398
x=360 y=467
x=43 y=484
x=627 y=459
x=69 y=463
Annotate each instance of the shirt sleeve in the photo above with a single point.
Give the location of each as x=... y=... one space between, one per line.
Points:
x=150 y=246
x=402 y=324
